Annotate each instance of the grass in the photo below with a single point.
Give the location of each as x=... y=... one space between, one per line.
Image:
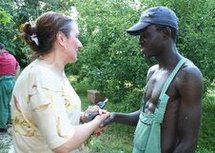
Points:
x=5 y=142
x=116 y=138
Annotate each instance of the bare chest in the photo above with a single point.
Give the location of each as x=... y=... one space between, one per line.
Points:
x=153 y=89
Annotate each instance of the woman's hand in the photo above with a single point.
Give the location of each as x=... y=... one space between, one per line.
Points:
x=103 y=115
x=91 y=113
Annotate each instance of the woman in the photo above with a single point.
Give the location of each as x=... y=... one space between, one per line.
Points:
x=46 y=110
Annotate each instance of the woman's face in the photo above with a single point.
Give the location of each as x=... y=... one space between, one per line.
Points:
x=73 y=44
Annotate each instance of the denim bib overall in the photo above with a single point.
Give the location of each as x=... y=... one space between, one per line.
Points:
x=147 y=135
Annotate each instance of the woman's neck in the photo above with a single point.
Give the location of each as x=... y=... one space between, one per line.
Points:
x=54 y=62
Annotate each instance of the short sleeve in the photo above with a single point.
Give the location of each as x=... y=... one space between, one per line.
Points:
x=49 y=114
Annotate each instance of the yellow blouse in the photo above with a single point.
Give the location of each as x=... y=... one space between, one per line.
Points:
x=44 y=110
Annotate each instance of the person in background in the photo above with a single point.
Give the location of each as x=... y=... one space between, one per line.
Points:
x=46 y=110
x=169 y=119
x=9 y=69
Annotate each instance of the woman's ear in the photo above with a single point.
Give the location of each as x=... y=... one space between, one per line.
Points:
x=61 y=38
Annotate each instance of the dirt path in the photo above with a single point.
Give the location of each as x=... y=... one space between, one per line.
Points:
x=5 y=142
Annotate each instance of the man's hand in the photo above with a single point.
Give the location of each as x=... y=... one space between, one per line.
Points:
x=108 y=120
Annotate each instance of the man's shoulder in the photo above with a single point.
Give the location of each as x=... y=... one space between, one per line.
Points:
x=190 y=73
x=189 y=83
x=190 y=69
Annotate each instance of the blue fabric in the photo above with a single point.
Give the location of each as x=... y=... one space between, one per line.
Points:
x=156 y=15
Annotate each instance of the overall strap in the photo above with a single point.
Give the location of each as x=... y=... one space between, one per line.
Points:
x=163 y=98
x=172 y=75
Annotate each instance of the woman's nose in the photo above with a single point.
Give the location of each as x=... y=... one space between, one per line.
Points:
x=80 y=44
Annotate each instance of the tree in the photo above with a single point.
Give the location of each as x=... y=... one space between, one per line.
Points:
x=196 y=32
x=110 y=58
x=16 y=13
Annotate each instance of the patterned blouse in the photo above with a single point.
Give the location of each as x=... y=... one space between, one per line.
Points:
x=44 y=110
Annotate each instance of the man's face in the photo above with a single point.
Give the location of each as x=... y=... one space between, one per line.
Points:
x=150 y=41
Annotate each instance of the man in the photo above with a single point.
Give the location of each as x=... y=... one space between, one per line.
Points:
x=169 y=120
x=9 y=68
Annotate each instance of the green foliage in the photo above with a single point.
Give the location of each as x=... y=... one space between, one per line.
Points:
x=196 y=32
x=15 y=13
x=110 y=59
x=4 y=17
x=10 y=33
x=207 y=134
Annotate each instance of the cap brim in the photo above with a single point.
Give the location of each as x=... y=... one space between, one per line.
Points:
x=137 y=28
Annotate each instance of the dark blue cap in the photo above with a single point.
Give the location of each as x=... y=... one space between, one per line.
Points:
x=156 y=15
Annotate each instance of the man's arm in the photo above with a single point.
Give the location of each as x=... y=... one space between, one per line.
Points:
x=189 y=117
x=124 y=118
